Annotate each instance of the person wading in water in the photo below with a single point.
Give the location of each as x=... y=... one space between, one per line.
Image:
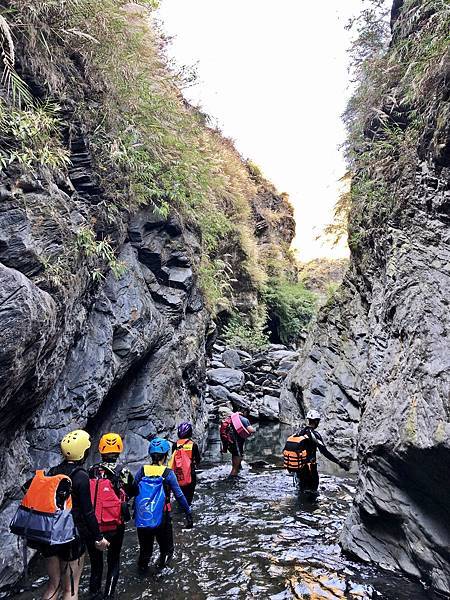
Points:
x=154 y=484
x=185 y=458
x=300 y=454
x=234 y=430
x=112 y=485
x=62 y=488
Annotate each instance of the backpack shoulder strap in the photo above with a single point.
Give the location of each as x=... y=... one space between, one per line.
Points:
x=166 y=486
x=93 y=471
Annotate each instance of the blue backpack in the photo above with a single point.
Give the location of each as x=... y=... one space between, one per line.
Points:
x=152 y=499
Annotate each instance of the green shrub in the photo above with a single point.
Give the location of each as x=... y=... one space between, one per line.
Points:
x=214 y=280
x=291 y=306
x=98 y=251
x=31 y=137
x=248 y=331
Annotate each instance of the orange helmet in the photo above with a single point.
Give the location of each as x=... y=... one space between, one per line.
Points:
x=110 y=443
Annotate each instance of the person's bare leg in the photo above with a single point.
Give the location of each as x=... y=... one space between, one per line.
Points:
x=77 y=568
x=54 y=574
x=236 y=465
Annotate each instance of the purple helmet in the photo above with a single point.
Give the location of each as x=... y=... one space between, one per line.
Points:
x=184 y=430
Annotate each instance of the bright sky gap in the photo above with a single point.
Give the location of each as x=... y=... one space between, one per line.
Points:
x=275 y=78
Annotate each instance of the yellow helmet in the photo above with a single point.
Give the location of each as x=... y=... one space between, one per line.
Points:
x=110 y=443
x=75 y=444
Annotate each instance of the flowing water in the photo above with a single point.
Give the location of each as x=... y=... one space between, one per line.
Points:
x=254 y=538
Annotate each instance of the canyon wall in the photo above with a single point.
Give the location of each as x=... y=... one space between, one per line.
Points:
x=103 y=318
x=377 y=363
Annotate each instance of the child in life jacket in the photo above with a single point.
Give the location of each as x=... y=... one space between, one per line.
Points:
x=185 y=459
x=154 y=484
x=112 y=485
x=65 y=561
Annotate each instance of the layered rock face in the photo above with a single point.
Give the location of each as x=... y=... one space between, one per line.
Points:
x=377 y=364
x=80 y=346
x=126 y=354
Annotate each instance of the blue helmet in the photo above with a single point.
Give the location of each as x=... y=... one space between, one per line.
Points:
x=159 y=446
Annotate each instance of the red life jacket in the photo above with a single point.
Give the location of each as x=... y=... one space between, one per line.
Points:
x=107 y=498
x=182 y=462
x=226 y=431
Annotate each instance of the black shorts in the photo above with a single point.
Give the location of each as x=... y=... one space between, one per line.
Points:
x=236 y=448
x=65 y=552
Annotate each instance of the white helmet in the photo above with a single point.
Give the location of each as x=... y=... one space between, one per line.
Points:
x=313 y=415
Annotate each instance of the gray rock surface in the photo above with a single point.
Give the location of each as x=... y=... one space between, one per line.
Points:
x=282 y=355
x=124 y=354
x=232 y=379
x=269 y=408
x=377 y=364
x=231 y=359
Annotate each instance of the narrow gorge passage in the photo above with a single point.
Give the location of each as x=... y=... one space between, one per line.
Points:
x=254 y=538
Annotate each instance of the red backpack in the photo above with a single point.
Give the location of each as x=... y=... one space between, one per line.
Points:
x=107 y=498
x=226 y=431
x=182 y=462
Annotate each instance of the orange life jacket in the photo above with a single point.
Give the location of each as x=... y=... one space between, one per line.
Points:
x=39 y=518
x=41 y=495
x=294 y=454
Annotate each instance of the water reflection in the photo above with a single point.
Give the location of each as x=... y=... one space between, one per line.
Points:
x=254 y=538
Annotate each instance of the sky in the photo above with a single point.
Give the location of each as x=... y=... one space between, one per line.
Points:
x=274 y=77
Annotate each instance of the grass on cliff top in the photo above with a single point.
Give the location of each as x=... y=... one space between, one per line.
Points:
x=397 y=84
x=152 y=147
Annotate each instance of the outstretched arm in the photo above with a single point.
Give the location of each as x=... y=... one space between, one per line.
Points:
x=324 y=450
x=175 y=488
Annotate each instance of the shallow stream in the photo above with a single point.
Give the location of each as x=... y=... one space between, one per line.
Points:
x=254 y=538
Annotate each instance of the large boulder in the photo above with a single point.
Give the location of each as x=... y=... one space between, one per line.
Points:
x=218 y=392
x=232 y=379
x=231 y=359
x=282 y=355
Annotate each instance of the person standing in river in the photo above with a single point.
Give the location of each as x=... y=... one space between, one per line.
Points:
x=112 y=485
x=300 y=454
x=185 y=458
x=234 y=430
x=67 y=484
x=152 y=510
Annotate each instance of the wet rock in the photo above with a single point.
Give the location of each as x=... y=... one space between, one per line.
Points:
x=231 y=359
x=244 y=354
x=229 y=378
x=179 y=277
x=270 y=408
x=271 y=391
x=276 y=347
x=282 y=355
x=217 y=364
x=239 y=402
x=218 y=392
x=285 y=366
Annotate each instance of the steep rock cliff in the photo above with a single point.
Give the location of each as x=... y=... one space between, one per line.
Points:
x=377 y=362
x=103 y=316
